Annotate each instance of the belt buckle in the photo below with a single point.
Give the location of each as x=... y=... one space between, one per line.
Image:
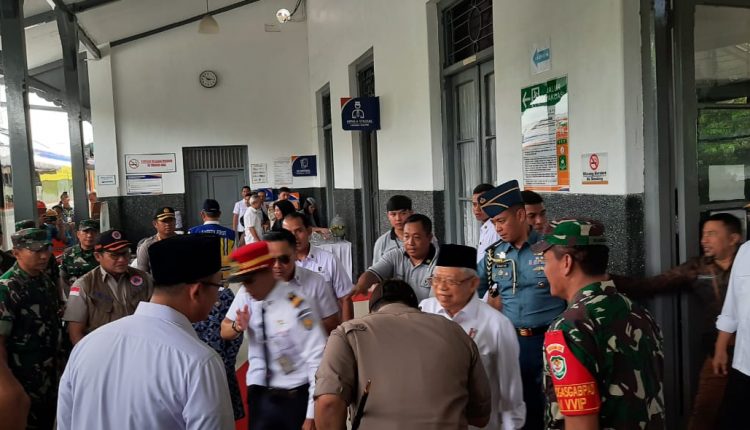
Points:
x=525 y=332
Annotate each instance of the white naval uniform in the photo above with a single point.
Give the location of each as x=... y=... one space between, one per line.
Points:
x=295 y=339
x=497 y=342
x=487 y=236
x=145 y=371
x=325 y=263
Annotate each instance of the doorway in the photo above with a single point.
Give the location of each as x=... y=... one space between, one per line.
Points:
x=369 y=164
x=217 y=173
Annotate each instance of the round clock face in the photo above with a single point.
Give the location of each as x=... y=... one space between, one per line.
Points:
x=208 y=79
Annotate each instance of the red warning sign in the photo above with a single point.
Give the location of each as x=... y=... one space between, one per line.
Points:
x=594 y=161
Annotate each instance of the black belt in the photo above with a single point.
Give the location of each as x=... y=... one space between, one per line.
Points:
x=289 y=393
x=531 y=331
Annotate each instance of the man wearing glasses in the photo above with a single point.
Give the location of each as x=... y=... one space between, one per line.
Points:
x=454 y=284
x=109 y=292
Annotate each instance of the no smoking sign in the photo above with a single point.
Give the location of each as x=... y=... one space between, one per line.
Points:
x=594 y=168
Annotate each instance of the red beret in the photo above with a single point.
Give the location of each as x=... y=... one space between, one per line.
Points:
x=250 y=258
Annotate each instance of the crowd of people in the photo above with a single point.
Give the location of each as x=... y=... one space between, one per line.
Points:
x=526 y=330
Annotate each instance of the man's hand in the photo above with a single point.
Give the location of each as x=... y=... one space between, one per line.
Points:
x=242 y=320
x=721 y=358
x=309 y=424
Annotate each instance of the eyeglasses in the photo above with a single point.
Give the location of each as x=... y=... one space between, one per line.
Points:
x=283 y=259
x=436 y=280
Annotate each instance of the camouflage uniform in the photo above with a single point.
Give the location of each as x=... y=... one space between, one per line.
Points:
x=30 y=311
x=53 y=271
x=75 y=263
x=603 y=355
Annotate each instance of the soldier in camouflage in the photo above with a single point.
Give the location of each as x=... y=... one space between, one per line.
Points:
x=603 y=359
x=79 y=260
x=53 y=270
x=30 y=310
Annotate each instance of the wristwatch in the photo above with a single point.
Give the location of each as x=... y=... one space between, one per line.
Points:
x=234 y=327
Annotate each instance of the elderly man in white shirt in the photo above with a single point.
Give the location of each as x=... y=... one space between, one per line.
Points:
x=150 y=370
x=734 y=320
x=253 y=220
x=454 y=283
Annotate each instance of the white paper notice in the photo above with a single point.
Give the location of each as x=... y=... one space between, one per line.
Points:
x=144 y=184
x=259 y=173
x=726 y=182
x=282 y=171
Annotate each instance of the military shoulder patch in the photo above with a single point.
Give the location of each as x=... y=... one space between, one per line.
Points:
x=576 y=389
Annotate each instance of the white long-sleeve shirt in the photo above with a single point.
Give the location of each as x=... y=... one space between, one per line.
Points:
x=496 y=340
x=487 y=236
x=145 y=371
x=735 y=315
x=295 y=339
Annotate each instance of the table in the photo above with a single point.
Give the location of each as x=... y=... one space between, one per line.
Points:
x=342 y=250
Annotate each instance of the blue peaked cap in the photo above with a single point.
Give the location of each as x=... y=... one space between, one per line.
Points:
x=500 y=198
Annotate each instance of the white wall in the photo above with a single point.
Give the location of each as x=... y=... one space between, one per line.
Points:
x=261 y=100
x=597 y=45
x=339 y=32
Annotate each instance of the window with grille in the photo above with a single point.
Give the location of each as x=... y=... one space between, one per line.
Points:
x=468 y=29
x=214 y=158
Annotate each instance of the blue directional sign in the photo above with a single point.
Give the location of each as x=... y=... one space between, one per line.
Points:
x=360 y=113
x=541 y=55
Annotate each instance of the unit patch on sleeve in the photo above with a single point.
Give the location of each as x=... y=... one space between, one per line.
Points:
x=575 y=388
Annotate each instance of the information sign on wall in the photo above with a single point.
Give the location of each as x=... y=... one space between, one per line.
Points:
x=544 y=136
x=360 y=113
x=594 y=168
x=144 y=185
x=150 y=163
x=304 y=165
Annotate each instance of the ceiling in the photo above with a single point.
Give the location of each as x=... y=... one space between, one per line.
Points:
x=113 y=21
x=722 y=46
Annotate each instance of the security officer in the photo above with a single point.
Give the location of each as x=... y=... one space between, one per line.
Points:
x=413 y=264
x=79 y=260
x=108 y=293
x=603 y=357
x=517 y=285
x=401 y=368
x=30 y=311
x=285 y=342
x=165 y=222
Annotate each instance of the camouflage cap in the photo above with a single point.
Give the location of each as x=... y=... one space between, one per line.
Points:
x=571 y=232
x=25 y=223
x=34 y=239
x=88 y=224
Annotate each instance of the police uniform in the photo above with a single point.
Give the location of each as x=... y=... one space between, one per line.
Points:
x=603 y=355
x=330 y=268
x=76 y=261
x=142 y=250
x=285 y=345
x=396 y=264
x=30 y=309
x=425 y=372
x=517 y=275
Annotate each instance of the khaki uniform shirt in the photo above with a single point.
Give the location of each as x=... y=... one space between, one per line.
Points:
x=98 y=298
x=426 y=372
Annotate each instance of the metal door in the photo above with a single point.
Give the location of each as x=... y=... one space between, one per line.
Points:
x=217 y=173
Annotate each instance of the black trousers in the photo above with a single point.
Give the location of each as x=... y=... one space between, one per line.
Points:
x=272 y=409
x=734 y=407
